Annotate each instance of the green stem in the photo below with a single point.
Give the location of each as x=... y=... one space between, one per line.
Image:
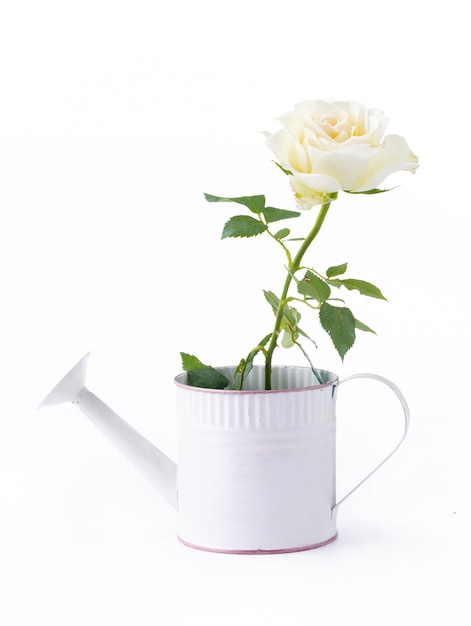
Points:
x=287 y=252
x=292 y=269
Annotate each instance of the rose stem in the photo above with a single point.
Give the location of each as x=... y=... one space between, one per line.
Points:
x=292 y=269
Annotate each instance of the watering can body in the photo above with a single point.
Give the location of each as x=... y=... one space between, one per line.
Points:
x=256 y=469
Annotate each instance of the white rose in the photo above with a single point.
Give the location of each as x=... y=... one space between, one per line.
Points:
x=330 y=146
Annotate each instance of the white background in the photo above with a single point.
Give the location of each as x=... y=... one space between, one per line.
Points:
x=115 y=117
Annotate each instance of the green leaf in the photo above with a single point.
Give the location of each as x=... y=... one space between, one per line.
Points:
x=265 y=340
x=291 y=319
x=243 y=226
x=201 y=375
x=272 y=300
x=288 y=339
x=208 y=378
x=322 y=376
x=256 y=204
x=336 y=270
x=275 y=215
x=281 y=234
x=283 y=169
x=365 y=288
x=314 y=287
x=339 y=324
x=292 y=316
x=363 y=327
x=369 y=191
x=190 y=362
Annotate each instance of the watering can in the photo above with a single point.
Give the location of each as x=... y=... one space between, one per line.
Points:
x=256 y=469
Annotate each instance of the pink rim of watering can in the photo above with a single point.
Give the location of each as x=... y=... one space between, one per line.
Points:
x=256 y=469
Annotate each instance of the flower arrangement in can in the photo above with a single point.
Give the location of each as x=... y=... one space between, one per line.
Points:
x=325 y=148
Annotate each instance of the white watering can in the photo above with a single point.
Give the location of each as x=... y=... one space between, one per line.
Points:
x=256 y=471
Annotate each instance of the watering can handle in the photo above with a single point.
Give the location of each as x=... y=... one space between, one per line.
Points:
x=405 y=408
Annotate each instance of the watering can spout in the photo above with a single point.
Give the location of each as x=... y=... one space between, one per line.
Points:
x=153 y=464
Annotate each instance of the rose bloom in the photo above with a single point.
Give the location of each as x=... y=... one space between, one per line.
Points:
x=328 y=146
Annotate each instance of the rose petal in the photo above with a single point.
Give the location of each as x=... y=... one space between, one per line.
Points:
x=351 y=167
x=333 y=145
x=310 y=189
x=290 y=153
x=394 y=156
